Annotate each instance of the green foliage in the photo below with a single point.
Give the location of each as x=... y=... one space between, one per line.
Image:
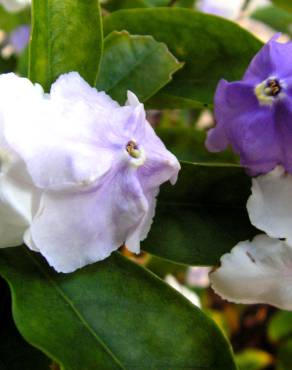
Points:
x=275 y=17
x=144 y=66
x=9 y=21
x=188 y=145
x=15 y=353
x=253 y=359
x=203 y=216
x=280 y=326
x=211 y=47
x=113 y=5
x=113 y=314
x=285 y=4
x=66 y=36
x=285 y=356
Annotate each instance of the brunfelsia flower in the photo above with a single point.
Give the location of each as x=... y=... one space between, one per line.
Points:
x=15 y=5
x=19 y=38
x=98 y=167
x=256 y=272
x=254 y=115
x=227 y=9
x=260 y=271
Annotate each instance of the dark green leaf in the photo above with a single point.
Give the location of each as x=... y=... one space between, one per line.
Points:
x=212 y=47
x=15 y=353
x=111 y=315
x=66 y=36
x=10 y=21
x=203 y=216
x=144 y=66
x=8 y=65
x=285 y=356
x=113 y=5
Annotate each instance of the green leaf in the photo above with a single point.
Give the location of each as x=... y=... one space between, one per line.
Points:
x=110 y=315
x=285 y=4
x=203 y=216
x=144 y=66
x=188 y=144
x=15 y=353
x=211 y=47
x=10 y=21
x=66 y=36
x=113 y=5
x=253 y=359
x=285 y=356
x=280 y=326
x=277 y=18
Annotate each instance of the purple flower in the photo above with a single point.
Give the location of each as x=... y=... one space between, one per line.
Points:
x=98 y=167
x=254 y=115
x=19 y=38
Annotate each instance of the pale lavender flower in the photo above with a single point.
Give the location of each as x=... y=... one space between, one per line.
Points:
x=98 y=166
x=254 y=115
x=19 y=38
x=224 y=8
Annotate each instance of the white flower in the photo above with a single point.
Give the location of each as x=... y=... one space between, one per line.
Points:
x=260 y=271
x=270 y=205
x=256 y=272
x=15 y=5
x=97 y=166
x=186 y=292
x=225 y=8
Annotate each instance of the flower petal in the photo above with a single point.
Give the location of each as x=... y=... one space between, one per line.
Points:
x=270 y=205
x=256 y=272
x=250 y=129
x=74 y=229
x=59 y=151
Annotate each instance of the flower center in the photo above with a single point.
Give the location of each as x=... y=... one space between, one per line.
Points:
x=273 y=87
x=269 y=90
x=133 y=149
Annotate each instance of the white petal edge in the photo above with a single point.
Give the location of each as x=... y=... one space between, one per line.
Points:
x=270 y=205
x=256 y=272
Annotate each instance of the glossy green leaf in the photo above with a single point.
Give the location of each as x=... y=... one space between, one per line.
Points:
x=280 y=326
x=285 y=4
x=15 y=353
x=9 y=21
x=211 y=47
x=203 y=216
x=66 y=36
x=144 y=66
x=111 y=315
x=188 y=144
x=275 y=17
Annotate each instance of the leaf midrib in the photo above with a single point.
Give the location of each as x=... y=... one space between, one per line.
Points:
x=74 y=309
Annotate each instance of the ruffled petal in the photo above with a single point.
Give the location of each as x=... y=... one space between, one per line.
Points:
x=73 y=230
x=270 y=205
x=256 y=272
x=249 y=128
x=59 y=151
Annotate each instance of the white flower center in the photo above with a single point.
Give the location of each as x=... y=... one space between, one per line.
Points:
x=269 y=91
x=136 y=152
